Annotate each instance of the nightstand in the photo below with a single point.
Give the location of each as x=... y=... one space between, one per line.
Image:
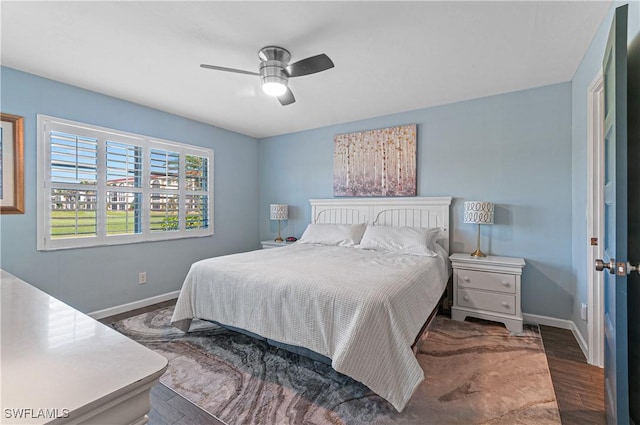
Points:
x=487 y=288
x=272 y=244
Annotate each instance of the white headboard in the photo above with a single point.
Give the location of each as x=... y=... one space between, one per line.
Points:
x=414 y=212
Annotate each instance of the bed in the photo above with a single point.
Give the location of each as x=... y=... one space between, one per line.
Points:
x=360 y=300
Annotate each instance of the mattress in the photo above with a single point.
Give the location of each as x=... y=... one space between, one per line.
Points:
x=360 y=308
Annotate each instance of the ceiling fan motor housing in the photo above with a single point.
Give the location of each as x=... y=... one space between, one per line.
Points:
x=274 y=53
x=273 y=72
x=274 y=60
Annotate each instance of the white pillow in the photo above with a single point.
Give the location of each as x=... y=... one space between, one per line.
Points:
x=333 y=234
x=401 y=240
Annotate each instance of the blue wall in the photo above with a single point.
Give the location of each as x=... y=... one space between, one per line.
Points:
x=589 y=68
x=513 y=149
x=96 y=278
x=525 y=151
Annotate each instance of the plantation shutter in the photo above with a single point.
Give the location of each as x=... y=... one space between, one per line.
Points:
x=106 y=187
x=73 y=176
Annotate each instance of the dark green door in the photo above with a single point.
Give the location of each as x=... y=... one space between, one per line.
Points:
x=616 y=222
x=633 y=152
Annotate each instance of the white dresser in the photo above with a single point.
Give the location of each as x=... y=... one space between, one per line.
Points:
x=60 y=366
x=487 y=288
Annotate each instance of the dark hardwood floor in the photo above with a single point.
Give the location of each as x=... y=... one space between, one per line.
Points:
x=578 y=386
x=170 y=408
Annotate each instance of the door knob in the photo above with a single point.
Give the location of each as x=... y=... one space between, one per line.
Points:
x=601 y=265
x=621 y=269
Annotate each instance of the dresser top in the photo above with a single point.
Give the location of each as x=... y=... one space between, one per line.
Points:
x=55 y=357
x=488 y=260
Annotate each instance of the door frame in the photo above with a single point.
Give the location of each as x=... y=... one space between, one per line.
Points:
x=595 y=219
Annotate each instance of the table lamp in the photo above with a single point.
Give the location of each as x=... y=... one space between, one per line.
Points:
x=279 y=212
x=478 y=212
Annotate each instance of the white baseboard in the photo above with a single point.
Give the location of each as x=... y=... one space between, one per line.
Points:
x=111 y=311
x=559 y=323
x=581 y=341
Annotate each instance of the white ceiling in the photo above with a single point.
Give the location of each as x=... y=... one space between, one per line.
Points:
x=389 y=56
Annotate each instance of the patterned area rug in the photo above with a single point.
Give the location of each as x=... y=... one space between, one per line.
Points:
x=475 y=374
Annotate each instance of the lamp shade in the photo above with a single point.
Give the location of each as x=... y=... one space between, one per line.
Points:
x=478 y=212
x=279 y=212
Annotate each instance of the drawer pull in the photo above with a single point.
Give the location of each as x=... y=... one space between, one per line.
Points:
x=466 y=278
x=466 y=298
x=505 y=304
x=506 y=284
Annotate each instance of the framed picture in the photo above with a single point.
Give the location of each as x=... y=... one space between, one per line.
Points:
x=11 y=164
x=375 y=162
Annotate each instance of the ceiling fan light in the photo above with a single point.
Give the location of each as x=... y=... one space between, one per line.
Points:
x=274 y=88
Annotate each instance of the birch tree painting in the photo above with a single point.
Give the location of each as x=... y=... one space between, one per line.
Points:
x=375 y=162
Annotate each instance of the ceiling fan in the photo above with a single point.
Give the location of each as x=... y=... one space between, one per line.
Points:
x=275 y=71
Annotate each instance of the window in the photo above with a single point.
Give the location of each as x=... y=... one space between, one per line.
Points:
x=105 y=187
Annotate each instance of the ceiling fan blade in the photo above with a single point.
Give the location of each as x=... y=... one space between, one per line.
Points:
x=287 y=98
x=222 y=68
x=310 y=65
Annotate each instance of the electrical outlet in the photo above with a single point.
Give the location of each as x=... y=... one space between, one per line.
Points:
x=583 y=311
x=142 y=278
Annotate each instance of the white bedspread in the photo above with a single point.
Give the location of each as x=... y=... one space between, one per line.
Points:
x=363 y=309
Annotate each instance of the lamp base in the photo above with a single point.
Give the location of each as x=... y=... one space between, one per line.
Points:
x=477 y=252
x=279 y=238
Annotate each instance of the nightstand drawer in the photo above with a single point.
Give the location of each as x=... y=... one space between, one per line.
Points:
x=499 y=303
x=486 y=280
